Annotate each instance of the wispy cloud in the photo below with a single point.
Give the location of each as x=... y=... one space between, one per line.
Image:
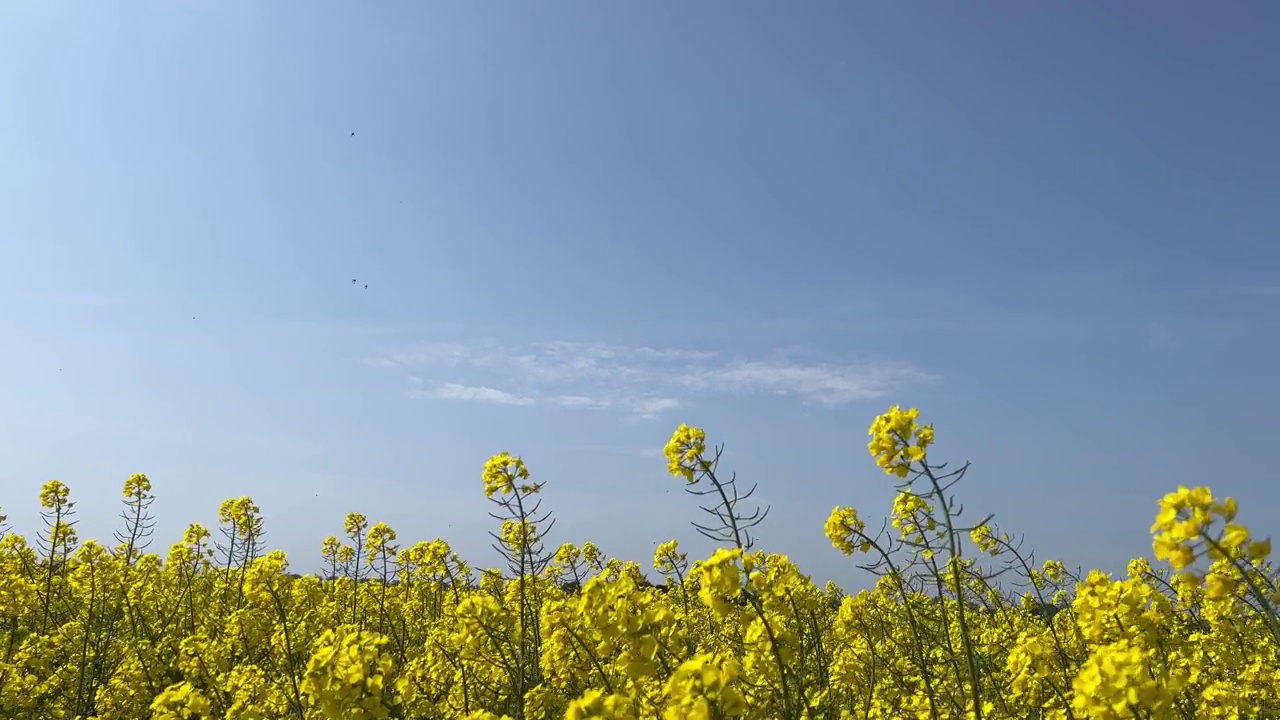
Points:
x=476 y=393
x=89 y=300
x=437 y=353
x=824 y=384
x=643 y=382
x=650 y=407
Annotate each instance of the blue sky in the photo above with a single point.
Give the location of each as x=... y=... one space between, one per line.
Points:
x=1052 y=228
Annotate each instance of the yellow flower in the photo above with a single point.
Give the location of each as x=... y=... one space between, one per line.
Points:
x=720 y=580
x=1219 y=586
x=598 y=705
x=354 y=524
x=985 y=540
x=137 y=486
x=346 y=674
x=1233 y=536
x=705 y=687
x=501 y=472
x=1259 y=550
x=54 y=494
x=684 y=452
x=897 y=440
x=846 y=530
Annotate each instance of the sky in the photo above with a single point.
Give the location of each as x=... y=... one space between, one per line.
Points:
x=1052 y=227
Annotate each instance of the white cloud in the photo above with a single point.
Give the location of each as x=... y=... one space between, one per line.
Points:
x=72 y=299
x=822 y=383
x=454 y=391
x=435 y=353
x=643 y=382
x=651 y=407
x=581 y=401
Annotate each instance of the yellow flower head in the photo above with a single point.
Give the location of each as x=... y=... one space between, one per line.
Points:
x=354 y=524
x=501 y=473
x=668 y=558
x=684 y=452
x=380 y=536
x=596 y=705
x=567 y=554
x=137 y=486
x=897 y=440
x=985 y=539
x=518 y=534
x=704 y=687
x=54 y=494
x=846 y=530
x=720 y=580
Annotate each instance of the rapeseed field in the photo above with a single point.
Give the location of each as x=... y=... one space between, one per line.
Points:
x=960 y=624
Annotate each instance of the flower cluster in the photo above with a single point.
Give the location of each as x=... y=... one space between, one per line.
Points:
x=684 y=452
x=897 y=440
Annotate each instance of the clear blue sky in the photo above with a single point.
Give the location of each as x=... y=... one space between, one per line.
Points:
x=1052 y=228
